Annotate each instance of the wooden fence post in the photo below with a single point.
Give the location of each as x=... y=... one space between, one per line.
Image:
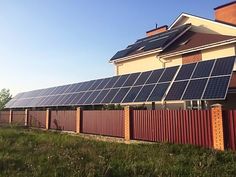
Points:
x=78 y=119
x=10 y=116
x=26 y=117
x=217 y=127
x=47 y=118
x=127 y=123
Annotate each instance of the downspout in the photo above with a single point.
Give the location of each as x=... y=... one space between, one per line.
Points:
x=163 y=103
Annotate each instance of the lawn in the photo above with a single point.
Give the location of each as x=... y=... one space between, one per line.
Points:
x=28 y=153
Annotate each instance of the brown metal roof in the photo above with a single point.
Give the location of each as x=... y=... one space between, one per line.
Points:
x=193 y=39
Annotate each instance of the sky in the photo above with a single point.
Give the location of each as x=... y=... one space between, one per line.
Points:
x=45 y=43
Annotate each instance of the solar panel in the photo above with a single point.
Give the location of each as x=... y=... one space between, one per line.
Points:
x=158 y=92
x=206 y=80
x=68 y=99
x=121 y=80
x=112 y=82
x=103 y=83
x=195 y=89
x=96 y=84
x=77 y=98
x=84 y=97
x=203 y=69
x=144 y=93
x=155 y=76
x=185 y=72
x=120 y=95
x=131 y=79
x=223 y=66
x=92 y=97
x=216 y=88
x=176 y=90
x=142 y=78
x=101 y=96
x=111 y=94
x=132 y=94
x=169 y=74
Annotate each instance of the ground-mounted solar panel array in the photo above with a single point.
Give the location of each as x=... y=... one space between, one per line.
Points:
x=205 y=80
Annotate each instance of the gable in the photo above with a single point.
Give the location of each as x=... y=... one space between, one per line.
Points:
x=203 y=25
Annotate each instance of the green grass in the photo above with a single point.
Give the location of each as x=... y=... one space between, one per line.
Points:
x=28 y=153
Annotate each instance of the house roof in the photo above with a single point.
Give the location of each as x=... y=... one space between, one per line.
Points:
x=192 y=40
x=184 y=15
x=156 y=42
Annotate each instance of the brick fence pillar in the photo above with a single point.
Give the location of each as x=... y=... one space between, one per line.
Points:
x=78 y=119
x=47 y=118
x=127 y=123
x=217 y=127
x=26 y=117
x=10 y=116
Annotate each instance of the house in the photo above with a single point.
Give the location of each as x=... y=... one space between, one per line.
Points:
x=147 y=70
x=199 y=39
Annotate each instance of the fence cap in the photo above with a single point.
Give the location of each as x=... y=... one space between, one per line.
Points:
x=216 y=105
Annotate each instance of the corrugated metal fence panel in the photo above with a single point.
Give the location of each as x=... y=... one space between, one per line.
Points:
x=4 y=116
x=37 y=119
x=103 y=122
x=175 y=126
x=229 y=122
x=18 y=117
x=63 y=120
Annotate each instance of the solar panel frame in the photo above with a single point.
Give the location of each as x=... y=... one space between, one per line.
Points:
x=144 y=93
x=185 y=72
x=203 y=69
x=120 y=95
x=212 y=91
x=132 y=79
x=169 y=74
x=142 y=79
x=131 y=95
x=158 y=92
x=110 y=95
x=176 y=90
x=195 y=89
x=223 y=66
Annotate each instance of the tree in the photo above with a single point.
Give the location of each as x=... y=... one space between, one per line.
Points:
x=5 y=96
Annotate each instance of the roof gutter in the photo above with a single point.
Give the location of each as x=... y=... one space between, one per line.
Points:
x=229 y=41
x=136 y=55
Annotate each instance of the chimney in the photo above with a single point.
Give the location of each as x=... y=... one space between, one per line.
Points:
x=157 y=30
x=226 y=13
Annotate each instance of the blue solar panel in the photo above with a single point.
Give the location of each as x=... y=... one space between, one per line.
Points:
x=132 y=94
x=185 y=72
x=142 y=78
x=158 y=92
x=216 y=88
x=203 y=69
x=103 y=83
x=121 y=80
x=144 y=93
x=77 y=98
x=169 y=74
x=120 y=95
x=96 y=84
x=195 y=89
x=131 y=79
x=92 y=97
x=176 y=90
x=223 y=66
x=111 y=94
x=112 y=82
x=155 y=76
x=84 y=97
x=101 y=96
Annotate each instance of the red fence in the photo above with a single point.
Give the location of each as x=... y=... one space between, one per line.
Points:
x=37 y=119
x=229 y=123
x=63 y=120
x=175 y=126
x=107 y=122
x=18 y=117
x=4 y=116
